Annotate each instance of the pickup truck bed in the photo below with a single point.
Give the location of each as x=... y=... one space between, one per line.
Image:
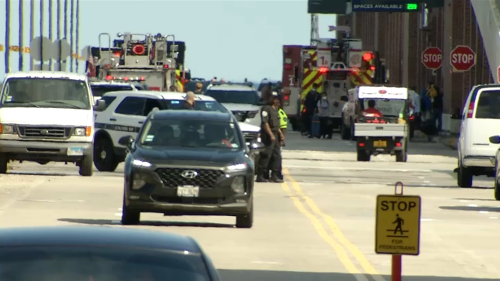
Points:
x=379 y=130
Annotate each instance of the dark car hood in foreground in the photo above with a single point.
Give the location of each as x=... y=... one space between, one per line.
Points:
x=189 y=156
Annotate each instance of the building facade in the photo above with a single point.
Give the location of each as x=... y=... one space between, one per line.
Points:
x=401 y=39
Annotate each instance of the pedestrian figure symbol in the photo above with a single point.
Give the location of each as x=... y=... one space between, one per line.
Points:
x=399 y=224
x=398 y=229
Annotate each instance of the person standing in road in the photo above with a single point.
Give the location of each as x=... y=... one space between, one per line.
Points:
x=272 y=138
x=310 y=105
x=283 y=127
x=414 y=111
x=324 y=115
x=190 y=101
x=199 y=89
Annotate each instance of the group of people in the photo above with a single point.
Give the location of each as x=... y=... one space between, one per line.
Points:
x=317 y=103
x=428 y=109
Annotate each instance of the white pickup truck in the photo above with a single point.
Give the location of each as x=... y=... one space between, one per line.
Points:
x=46 y=116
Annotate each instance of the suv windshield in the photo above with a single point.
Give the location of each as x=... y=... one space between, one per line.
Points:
x=198 y=105
x=190 y=133
x=231 y=96
x=100 y=90
x=45 y=92
x=99 y=263
x=388 y=107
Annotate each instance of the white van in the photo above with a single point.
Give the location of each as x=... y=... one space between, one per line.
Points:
x=480 y=121
x=46 y=116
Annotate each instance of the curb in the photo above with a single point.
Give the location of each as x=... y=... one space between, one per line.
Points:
x=450 y=142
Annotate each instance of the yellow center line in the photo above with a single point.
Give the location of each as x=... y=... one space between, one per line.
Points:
x=339 y=250
x=360 y=257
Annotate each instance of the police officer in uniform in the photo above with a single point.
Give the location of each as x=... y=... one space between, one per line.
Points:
x=271 y=136
x=283 y=126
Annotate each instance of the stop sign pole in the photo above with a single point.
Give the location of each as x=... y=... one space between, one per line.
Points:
x=462 y=58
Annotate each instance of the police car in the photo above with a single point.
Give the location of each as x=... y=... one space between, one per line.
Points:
x=125 y=112
x=99 y=88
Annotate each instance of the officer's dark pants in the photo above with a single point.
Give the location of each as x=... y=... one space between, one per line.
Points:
x=280 y=172
x=270 y=157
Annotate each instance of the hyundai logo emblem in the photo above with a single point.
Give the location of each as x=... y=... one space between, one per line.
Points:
x=44 y=132
x=189 y=174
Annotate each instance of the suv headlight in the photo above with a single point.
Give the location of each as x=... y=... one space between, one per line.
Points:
x=82 y=131
x=7 y=129
x=139 y=163
x=236 y=167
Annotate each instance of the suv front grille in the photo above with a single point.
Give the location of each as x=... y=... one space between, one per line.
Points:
x=44 y=132
x=250 y=136
x=172 y=177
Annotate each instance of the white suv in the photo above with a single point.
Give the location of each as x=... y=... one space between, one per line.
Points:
x=241 y=99
x=125 y=112
x=480 y=121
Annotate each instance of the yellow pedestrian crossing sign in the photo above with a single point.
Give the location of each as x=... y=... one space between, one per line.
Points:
x=397 y=228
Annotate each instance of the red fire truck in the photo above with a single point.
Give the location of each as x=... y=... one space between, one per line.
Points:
x=333 y=68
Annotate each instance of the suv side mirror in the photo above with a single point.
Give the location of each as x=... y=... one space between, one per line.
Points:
x=495 y=139
x=126 y=141
x=100 y=105
x=344 y=98
x=256 y=147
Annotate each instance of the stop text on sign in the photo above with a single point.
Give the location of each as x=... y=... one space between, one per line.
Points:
x=462 y=58
x=433 y=58
x=397 y=206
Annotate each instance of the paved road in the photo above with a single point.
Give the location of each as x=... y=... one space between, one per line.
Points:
x=318 y=225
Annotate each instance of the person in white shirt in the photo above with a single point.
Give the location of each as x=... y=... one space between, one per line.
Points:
x=324 y=114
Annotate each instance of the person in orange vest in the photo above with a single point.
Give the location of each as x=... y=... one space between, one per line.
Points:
x=371 y=111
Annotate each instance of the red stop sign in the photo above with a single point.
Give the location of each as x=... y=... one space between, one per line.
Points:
x=462 y=58
x=432 y=58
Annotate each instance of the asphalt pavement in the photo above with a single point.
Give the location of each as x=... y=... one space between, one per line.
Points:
x=318 y=225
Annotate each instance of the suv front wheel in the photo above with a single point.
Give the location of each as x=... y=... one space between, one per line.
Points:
x=245 y=221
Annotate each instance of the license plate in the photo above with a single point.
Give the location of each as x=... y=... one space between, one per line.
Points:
x=188 y=191
x=75 y=151
x=380 y=143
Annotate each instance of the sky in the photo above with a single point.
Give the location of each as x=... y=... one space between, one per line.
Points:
x=231 y=39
